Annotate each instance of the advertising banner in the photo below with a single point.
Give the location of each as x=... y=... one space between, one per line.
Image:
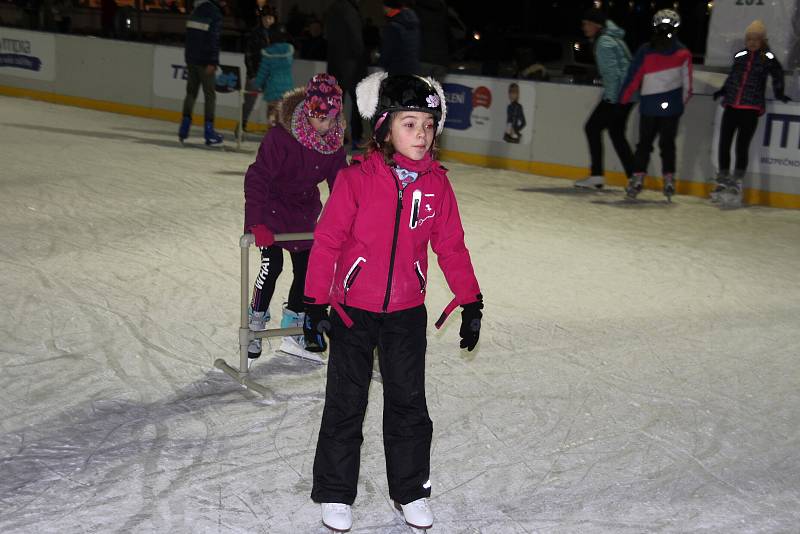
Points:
x=489 y=109
x=27 y=54
x=775 y=149
x=170 y=74
x=729 y=18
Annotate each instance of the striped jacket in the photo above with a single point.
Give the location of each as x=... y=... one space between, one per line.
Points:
x=663 y=78
x=203 y=30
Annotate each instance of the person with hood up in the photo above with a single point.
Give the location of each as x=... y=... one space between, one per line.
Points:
x=743 y=96
x=282 y=196
x=369 y=262
x=613 y=59
x=257 y=40
x=401 y=39
x=274 y=76
x=662 y=73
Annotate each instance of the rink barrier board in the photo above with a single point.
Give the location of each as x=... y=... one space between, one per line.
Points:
x=758 y=197
x=556 y=170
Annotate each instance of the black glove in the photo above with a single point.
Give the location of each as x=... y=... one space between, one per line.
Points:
x=470 y=324
x=316 y=326
x=718 y=94
x=783 y=98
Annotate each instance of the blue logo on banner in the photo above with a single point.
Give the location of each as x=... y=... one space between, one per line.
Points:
x=21 y=62
x=459 y=106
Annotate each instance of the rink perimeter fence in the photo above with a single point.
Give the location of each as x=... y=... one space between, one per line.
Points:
x=148 y=80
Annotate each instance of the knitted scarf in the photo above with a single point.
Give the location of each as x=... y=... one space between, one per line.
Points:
x=307 y=136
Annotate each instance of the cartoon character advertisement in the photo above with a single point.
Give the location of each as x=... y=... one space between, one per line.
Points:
x=489 y=109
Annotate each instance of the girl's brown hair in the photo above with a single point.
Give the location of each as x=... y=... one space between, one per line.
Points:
x=387 y=150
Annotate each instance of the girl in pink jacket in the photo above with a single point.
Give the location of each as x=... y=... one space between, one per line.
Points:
x=369 y=262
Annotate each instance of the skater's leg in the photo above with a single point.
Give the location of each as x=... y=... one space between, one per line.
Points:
x=249 y=103
x=748 y=122
x=600 y=119
x=192 y=88
x=648 y=129
x=667 y=132
x=616 y=131
x=336 y=463
x=726 y=131
x=263 y=289
x=209 y=93
x=407 y=427
x=299 y=268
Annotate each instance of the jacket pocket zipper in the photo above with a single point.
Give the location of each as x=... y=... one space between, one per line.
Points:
x=420 y=277
x=351 y=275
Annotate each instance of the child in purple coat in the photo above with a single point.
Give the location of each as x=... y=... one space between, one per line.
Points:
x=282 y=196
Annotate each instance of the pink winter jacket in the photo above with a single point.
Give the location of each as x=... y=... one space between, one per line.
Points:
x=371 y=243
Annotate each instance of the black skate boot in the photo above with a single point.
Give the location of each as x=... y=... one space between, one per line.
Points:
x=635 y=183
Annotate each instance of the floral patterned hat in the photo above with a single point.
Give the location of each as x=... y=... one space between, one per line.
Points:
x=323 y=97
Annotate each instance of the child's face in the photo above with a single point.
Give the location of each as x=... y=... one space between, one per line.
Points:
x=322 y=126
x=412 y=133
x=753 y=41
x=513 y=94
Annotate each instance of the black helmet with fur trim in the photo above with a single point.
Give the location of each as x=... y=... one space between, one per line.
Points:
x=379 y=94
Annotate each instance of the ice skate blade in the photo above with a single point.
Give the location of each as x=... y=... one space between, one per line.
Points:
x=334 y=529
x=589 y=187
x=291 y=349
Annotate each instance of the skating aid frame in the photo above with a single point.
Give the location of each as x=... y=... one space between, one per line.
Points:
x=241 y=374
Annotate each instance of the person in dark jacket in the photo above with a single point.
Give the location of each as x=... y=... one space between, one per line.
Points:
x=257 y=40
x=661 y=72
x=401 y=41
x=346 y=55
x=743 y=97
x=282 y=195
x=613 y=59
x=435 y=38
x=203 y=31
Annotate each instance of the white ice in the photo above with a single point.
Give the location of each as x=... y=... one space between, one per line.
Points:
x=638 y=369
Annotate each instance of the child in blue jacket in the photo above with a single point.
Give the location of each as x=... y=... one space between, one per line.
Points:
x=274 y=76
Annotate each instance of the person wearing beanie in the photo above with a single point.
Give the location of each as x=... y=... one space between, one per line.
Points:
x=281 y=195
x=743 y=97
x=661 y=72
x=612 y=58
x=401 y=40
x=381 y=217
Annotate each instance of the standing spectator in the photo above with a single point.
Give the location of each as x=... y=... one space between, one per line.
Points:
x=202 y=57
x=108 y=11
x=743 y=97
x=400 y=42
x=435 y=37
x=662 y=72
x=346 y=57
x=275 y=71
x=314 y=46
x=257 y=40
x=613 y=59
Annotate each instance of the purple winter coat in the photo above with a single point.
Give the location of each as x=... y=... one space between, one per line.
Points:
x=281 y=187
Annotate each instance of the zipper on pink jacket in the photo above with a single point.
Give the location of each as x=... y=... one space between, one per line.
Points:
x=744 y=78
x=394 y=242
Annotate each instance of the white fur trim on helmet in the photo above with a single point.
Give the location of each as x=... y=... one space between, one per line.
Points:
x=439 y=91
x=367 y=93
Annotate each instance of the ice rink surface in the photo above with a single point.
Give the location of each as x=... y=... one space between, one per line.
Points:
x=638 y=370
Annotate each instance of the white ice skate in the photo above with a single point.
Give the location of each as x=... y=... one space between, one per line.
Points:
x=417 y=514
x=257 y=323
x=337 y=516
x=293 y=346
x=591 y=182
x=731 y=196
x=296 y=345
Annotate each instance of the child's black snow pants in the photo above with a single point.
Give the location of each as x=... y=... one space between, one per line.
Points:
x=407 y=429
